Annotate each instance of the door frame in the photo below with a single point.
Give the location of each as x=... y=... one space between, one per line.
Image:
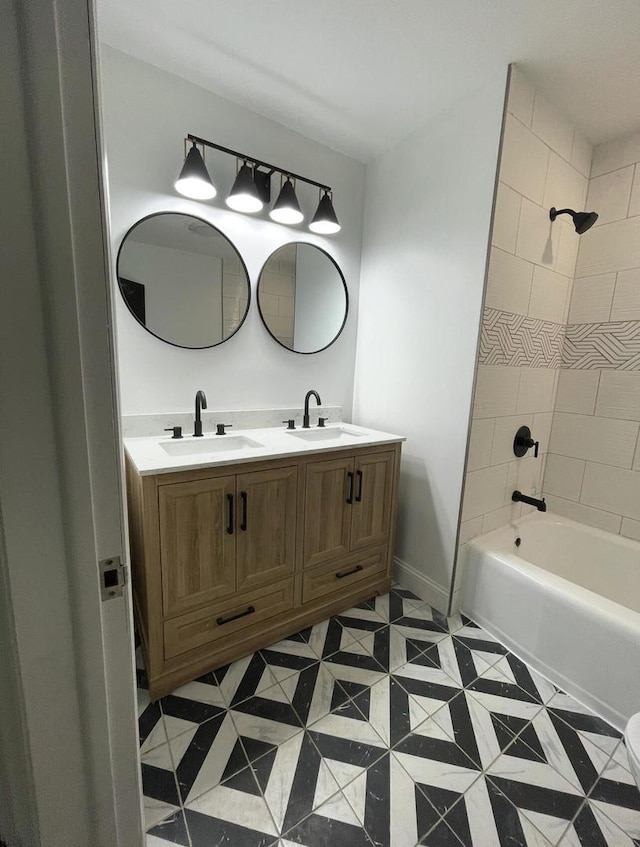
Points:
x=61 y=462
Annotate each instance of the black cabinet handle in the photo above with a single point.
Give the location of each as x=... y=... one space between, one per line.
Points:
x=350 y=497
x=342 y=575
x=359 y=494
x=243 y=522
x=223 y=621
x=230 y=524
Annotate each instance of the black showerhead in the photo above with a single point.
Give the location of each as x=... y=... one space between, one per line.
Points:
x=582 y=221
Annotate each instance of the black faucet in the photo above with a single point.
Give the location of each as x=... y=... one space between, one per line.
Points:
x=519 y=497
x=305 y=417
x=201 y=403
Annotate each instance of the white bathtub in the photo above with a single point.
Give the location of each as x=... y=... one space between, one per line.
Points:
x=567 y=601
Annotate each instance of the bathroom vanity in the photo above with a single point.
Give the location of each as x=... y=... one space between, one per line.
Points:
x=239 y=541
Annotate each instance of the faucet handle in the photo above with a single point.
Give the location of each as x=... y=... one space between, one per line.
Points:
x=290 y=422
x=176 y=430
x=220 y=428
x=535 y=445
x=322 y=421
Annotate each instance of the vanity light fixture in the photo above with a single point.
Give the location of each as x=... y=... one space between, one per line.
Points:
x=244 y=196
x=194 y=180
x=286 y=209
x=252 y=188
x=325 y=220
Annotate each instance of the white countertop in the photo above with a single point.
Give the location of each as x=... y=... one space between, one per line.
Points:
x=149 y=454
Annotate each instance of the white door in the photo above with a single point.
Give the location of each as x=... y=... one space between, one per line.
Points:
x=61 y=490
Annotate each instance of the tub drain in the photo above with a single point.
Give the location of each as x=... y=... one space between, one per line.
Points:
x=518 y=542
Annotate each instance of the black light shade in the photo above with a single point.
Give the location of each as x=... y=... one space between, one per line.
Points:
x=325 y=221
x=582 y=221
x=194 y=180
x=244 y=196
x=286 y=209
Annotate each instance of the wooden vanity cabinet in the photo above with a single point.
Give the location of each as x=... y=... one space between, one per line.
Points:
x=347 y=505
x=229 y=560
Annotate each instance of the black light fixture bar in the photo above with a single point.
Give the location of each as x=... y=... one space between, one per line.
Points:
x=257 y=162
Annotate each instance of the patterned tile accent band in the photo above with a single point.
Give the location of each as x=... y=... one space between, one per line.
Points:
x=509 y=339
x=614 y=345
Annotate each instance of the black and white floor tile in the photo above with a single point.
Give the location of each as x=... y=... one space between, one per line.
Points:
x=386 y=726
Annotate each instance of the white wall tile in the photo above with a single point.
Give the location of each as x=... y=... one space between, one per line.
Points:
x=619 y=395
x=549 y=295
x=612 y=489
x=529 y=475
x=630 y=528
x=565 y=186
x=484 y=491
x=496 y=391
x=537 y=390
x=523 y=165
x=538 y=239
x=577 y=391
x=636 y=461
x=595 y=439
x=634 y=203
x=584 y=514
x=591 y=299
x=581 y=153
x=480 y=443
x=568 y=244
x=616 y=154
x=552 y=127
x=609 y=195
x=626 y=299
x=500 y=517
x=505 y=220
x=541 y=430
x=508 y=283
x=563 y=476
x=470 y=529
x=503 y=434
x=521 y=94
x=610 y=247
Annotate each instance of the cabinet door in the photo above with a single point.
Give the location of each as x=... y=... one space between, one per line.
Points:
x=266 y=521
x=327 y=514
x=197 y=542
x=371 y=521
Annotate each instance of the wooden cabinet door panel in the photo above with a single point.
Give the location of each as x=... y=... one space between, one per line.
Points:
x=266 y=526
x=197 y=552
x=327 y=515
x=371 y=521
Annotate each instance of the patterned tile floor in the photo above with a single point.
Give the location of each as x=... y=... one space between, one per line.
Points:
x=389 y=725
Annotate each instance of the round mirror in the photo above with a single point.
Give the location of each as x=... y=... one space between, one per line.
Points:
x=302 y=298
x=183 y=280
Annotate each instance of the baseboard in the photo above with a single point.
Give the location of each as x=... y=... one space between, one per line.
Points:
x=428 y=590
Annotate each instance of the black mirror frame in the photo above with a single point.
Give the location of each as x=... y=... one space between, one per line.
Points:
x=133 y=314
x=346 y=296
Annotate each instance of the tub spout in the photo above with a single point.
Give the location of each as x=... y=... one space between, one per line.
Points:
x=519 y=497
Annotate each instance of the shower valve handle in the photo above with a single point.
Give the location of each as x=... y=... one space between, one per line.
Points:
x=523 y=442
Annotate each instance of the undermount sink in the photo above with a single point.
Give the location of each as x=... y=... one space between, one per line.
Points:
x=207 y=445
x=333 y=433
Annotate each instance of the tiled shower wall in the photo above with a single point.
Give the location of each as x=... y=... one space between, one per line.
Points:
x=593 y=467
x=544 y=163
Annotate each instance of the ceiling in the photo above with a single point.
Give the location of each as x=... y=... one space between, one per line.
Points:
x=360 y=75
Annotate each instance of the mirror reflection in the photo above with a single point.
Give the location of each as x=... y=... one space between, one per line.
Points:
x=183 y=280
x=302 y=297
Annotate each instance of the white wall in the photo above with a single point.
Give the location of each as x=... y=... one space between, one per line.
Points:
x=428 y=211
x=147 y=114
